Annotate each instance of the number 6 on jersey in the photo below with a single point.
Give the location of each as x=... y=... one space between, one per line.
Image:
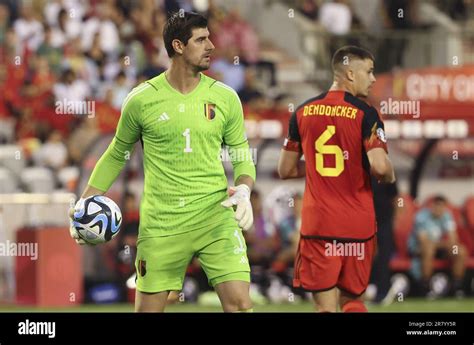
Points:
x=323 y=149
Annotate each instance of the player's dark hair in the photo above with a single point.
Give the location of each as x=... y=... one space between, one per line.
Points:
x=179 y=26
x=343 y=55
x=438 y=199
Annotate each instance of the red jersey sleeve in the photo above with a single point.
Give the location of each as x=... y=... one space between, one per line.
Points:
x=373 y=131
x=293 y=140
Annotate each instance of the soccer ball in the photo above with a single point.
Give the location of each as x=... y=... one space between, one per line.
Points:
x=99 y=220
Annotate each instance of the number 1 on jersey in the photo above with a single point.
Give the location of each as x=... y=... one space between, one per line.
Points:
x=323 y=149
x=187 y=134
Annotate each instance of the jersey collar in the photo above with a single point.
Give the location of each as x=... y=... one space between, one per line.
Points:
x=176 y=92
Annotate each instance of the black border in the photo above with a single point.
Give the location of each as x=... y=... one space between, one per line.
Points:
x=245 y=328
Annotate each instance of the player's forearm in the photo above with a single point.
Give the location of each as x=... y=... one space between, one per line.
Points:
x=245 y=179
x=110 y=165
x=389 y=176
x=242 y=163
x=298 y=171
x=301 y=169
x=89 y=191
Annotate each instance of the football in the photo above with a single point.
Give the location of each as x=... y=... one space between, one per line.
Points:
x=99 y=220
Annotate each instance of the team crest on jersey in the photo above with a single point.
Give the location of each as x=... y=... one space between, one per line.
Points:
x=209 y=111
x=142 y=267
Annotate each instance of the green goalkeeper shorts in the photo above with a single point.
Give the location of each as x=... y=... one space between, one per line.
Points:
x=161 y=262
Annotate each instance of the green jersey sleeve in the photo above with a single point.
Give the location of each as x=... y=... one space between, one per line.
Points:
x=120 y=149
x=237 y=142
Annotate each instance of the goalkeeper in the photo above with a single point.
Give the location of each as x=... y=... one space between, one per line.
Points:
x=182 y=119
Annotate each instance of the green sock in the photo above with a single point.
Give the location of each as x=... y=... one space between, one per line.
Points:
x=246 y=311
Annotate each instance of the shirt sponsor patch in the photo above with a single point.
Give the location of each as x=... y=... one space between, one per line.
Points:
x=381 y=135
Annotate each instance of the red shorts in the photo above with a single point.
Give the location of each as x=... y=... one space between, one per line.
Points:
x=321 y=265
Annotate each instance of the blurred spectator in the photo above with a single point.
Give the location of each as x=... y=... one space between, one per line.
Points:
x=28 y=29
x=75 y=11
x=107 y=113
x=12 y=47
x=70 y=89
x=65 y=29
x=249 y=92
x=434 y=235
x=52 y=53
x=234 y=31
x=53 y=153
x=288 y=237
x=4 y=22
x=309 y=8
x=51 y=11
x=456 y=9
x=155 y=67
x=399 y=15
x=133 y=51
x=84 y=68
x=384 y=204
x=42 y=83
x=4 y=111
x=120 y=90
x=95 y=53
x=128 y=235
x=336 y=17
x=261 y=240
x=229 y=70
x=177 y=5
x=127 y=239
x=159 y=21
x=101 y=23
x=81 y=138
x=26 y=126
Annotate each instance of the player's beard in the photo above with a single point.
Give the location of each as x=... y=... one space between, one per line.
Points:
x=203 y=66
x=197 y=66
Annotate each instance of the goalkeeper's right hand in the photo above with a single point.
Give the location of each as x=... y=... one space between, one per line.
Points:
x=78 y=208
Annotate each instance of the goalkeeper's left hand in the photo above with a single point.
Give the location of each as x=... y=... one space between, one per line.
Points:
x=240 y=196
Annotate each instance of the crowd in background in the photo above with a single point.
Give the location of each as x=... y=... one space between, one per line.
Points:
x=70 y=52
x=60 y=53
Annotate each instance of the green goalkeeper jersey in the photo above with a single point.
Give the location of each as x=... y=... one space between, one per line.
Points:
x=182 y=137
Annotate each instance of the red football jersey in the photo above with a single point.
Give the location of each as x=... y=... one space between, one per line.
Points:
x=334 y=131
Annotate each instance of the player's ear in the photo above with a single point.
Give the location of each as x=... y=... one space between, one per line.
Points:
x=350 y=75
x=178 y=46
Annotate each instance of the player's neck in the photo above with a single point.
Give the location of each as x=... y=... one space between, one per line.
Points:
x=182 y=78
x=341 y=86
